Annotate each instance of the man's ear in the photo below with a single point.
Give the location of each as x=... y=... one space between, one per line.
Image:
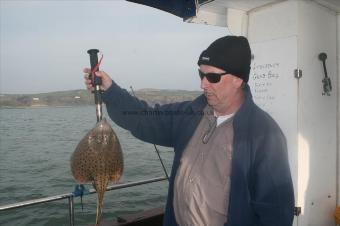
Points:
x=237 y=82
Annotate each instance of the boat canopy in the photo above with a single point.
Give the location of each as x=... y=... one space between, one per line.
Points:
x=181 y=8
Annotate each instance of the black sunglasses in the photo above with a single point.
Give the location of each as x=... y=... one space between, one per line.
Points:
x=211 y=77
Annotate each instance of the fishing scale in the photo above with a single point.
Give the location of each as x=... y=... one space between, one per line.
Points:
x=96 y=81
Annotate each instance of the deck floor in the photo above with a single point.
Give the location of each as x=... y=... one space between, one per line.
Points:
x=151 y=217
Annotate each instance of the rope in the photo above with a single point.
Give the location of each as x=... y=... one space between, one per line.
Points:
x=80 y=190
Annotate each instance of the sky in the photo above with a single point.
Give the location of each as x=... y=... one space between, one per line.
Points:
x=43 y=45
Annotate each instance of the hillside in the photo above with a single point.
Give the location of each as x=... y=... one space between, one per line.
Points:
x=84 y=97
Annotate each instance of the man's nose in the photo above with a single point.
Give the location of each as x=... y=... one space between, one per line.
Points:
x=204 y=83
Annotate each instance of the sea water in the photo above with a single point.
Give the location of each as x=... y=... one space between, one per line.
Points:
x=35 y=149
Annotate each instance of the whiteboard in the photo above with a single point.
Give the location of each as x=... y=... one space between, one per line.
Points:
x=275 y=89
x=272 y=80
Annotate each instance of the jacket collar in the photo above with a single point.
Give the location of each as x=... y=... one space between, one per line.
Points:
x=242 y=116
x=199 y=103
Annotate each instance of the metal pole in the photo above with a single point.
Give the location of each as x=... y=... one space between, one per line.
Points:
x=71 y=210
x=68 y=195
x=35 y=201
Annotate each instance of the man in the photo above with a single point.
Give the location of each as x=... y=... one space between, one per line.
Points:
x=230 y=165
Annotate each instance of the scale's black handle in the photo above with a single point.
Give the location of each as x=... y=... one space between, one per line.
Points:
x=327 y=84
x=94 y=61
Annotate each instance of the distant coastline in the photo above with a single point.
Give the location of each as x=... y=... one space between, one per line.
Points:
x=84 y=97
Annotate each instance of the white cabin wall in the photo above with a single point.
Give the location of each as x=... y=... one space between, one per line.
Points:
x=314 y=165
x=273 y=22
x=317 y=112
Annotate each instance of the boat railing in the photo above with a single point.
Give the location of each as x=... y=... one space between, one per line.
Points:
x=70 y=196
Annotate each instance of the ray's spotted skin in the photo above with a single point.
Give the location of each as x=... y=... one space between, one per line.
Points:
x=98 y=159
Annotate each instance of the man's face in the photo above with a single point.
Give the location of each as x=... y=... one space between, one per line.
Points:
x=223 y=95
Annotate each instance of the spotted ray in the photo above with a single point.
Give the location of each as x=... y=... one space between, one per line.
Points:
x=98 y=159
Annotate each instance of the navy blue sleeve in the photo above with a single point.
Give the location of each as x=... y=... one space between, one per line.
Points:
x=150 y=124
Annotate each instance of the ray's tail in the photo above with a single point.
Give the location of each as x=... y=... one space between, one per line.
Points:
x=100 y=186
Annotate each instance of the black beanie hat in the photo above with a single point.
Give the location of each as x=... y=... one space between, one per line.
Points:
x=230 y=53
